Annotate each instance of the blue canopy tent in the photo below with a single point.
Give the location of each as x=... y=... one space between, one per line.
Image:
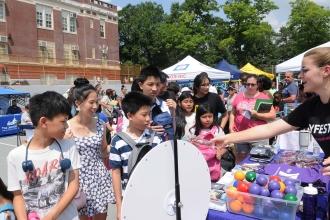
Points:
x=8 y=123
x=235 y=73
x=6 y=91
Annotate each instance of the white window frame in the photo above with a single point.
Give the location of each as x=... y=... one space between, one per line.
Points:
x=102 y=28
x=3 y=11
x=69 y=22
x=44 y=17
x=46 y=53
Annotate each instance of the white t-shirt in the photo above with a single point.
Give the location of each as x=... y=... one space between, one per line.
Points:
x=190 y=122
x=43 y=188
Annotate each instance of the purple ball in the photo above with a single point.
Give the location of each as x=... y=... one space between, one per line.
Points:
x=290 y=189
x=254 y=189
x=277 y=194
x=264 y=192
x=273 y=185
x=262 y=180
x=289 y=182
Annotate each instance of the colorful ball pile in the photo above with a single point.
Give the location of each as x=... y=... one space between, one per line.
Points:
x=251 y=183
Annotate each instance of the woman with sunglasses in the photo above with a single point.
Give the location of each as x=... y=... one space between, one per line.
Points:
x=313 y=114
x=243 y=116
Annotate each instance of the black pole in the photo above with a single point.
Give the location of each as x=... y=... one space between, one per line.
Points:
x=177 y=182
x=176 y=171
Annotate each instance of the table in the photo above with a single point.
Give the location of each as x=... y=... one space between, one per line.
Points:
x=8 y=124
x=217 y=215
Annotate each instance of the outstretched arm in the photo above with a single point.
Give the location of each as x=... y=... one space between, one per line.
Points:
x=255 y=133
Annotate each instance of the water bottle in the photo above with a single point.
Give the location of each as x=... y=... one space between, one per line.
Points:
x=285 y=109
x=309 y=202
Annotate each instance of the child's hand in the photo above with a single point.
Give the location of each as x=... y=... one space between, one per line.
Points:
x=220 y=151
x=171 y=104
x=49 y=216
x=157 y=128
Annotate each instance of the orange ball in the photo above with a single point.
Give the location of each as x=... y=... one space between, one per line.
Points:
x=282 y=186
x=239 y=175
x=247 y=208
x=231 y=192
x=235 y=206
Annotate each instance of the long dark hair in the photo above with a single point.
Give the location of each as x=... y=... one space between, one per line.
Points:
x=4 y=192
x=199 y=80
x=201 y=110
x=180 y=115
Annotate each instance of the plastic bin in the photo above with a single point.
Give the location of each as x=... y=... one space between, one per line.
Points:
x=262 y=207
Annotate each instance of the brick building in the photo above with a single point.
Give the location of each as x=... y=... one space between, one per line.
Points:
x=58 y=40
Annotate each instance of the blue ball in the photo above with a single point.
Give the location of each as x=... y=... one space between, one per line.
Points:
x=290 y=189
x=235 y=183
x=273 y=213
x=259 y=211
x=254 y=189
x=288 y=182
x=264 y=192
x=262 y=180
x=273 y=185
x=276 y=194
x=285 y=215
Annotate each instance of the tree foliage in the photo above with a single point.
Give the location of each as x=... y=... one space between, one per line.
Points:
x=194 y=27
x=307 y=27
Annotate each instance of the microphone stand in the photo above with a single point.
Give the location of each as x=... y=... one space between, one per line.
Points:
x=178 y=203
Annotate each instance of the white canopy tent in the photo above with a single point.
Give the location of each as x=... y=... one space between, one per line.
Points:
x=294 y=64
x=188 y=68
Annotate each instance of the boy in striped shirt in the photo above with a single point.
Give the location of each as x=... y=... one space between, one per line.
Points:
x=136 y=107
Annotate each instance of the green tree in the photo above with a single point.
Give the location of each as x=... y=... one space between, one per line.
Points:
x=307 y=27
x=138 y=33
x=247 y=37
x=190 y=30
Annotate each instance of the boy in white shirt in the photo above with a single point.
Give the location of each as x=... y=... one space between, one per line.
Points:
x=43 y=174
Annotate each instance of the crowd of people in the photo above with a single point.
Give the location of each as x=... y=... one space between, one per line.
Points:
x=95 y=132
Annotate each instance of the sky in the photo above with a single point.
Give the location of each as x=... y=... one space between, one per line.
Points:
x=276 y=18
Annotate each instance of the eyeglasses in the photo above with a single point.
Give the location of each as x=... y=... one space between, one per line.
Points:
x=250 y=84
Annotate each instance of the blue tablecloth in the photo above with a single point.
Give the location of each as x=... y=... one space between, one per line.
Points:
x=8 y=124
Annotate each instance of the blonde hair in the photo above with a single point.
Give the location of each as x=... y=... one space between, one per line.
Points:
x=320 y=55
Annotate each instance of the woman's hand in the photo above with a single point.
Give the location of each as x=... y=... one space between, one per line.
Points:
x=326 y=169
x=68 y=134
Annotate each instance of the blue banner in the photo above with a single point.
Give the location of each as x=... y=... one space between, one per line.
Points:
x=8 y=124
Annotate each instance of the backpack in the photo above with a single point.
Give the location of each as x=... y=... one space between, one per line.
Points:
x=138 y=151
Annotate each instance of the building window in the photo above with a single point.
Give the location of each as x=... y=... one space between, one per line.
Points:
x=102 y=28
x=93 y=53
x=44 y=17
x=69 y=21
x=3 y=49
x=71 y=54
x=46 y=51
x=91 y=24
x=2 y=11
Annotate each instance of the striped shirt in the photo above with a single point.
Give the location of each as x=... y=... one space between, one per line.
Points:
x=120 y=151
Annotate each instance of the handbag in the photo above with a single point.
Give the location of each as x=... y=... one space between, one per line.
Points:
x=228 y=160
x=80 y=199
